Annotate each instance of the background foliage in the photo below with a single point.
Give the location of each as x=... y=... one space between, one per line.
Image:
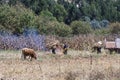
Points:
x=56 y=17
x=60 y=18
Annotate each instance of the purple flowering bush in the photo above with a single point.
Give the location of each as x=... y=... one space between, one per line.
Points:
x=29 y=39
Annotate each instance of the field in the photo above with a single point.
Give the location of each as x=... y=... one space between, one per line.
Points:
x=77 y=65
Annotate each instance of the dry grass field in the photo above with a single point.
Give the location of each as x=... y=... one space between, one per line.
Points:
x=77 y=65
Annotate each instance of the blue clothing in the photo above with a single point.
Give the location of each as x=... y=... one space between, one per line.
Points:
x=65 y=46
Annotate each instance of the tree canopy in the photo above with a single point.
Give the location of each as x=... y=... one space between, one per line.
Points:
x=59 y=17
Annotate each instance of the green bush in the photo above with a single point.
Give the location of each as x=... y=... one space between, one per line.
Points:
x=53 y=27
x=80 y=27
x=59 y=12
x=60 y=29
x=7 y=15
x=102 y=31
x=115 y=28
x=48 y=15
x=2 y=28
x=16 y=18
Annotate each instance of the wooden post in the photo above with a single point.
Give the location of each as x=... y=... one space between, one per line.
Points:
x=91 y=60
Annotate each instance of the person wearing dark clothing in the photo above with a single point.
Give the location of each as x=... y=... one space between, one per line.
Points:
x=54 y=49
x=65 y=49
x=98 y=49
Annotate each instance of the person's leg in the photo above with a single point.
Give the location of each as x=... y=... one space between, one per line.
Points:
x=53 y=51
x=99 y=50
x=65 y=51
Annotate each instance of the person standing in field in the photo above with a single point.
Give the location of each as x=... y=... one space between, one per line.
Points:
x=65 y=49
x=54 y=49
x=97 y=47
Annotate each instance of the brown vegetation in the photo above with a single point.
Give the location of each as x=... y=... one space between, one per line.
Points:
x=81 y=42
x=51 y=41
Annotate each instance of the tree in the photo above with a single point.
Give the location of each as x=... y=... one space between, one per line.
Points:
x=14 y=19
x=80 y=27
x=73 y=14
x=52 y=27
x=47 y=15
x=12 y=2
x=38 y=5
x=59 y=12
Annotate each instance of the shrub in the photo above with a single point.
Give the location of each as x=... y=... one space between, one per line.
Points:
x=80 y=27
x=86 y=18
x=30 y=39
x=104 y=23
x=60 y=29
x=102 y=31
x=115 y=28
x=15 y=18
x=45 y=26
x=48 y=15
x=8 y=17
x=59 y=12
x=95 y=24
x=2 y=28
